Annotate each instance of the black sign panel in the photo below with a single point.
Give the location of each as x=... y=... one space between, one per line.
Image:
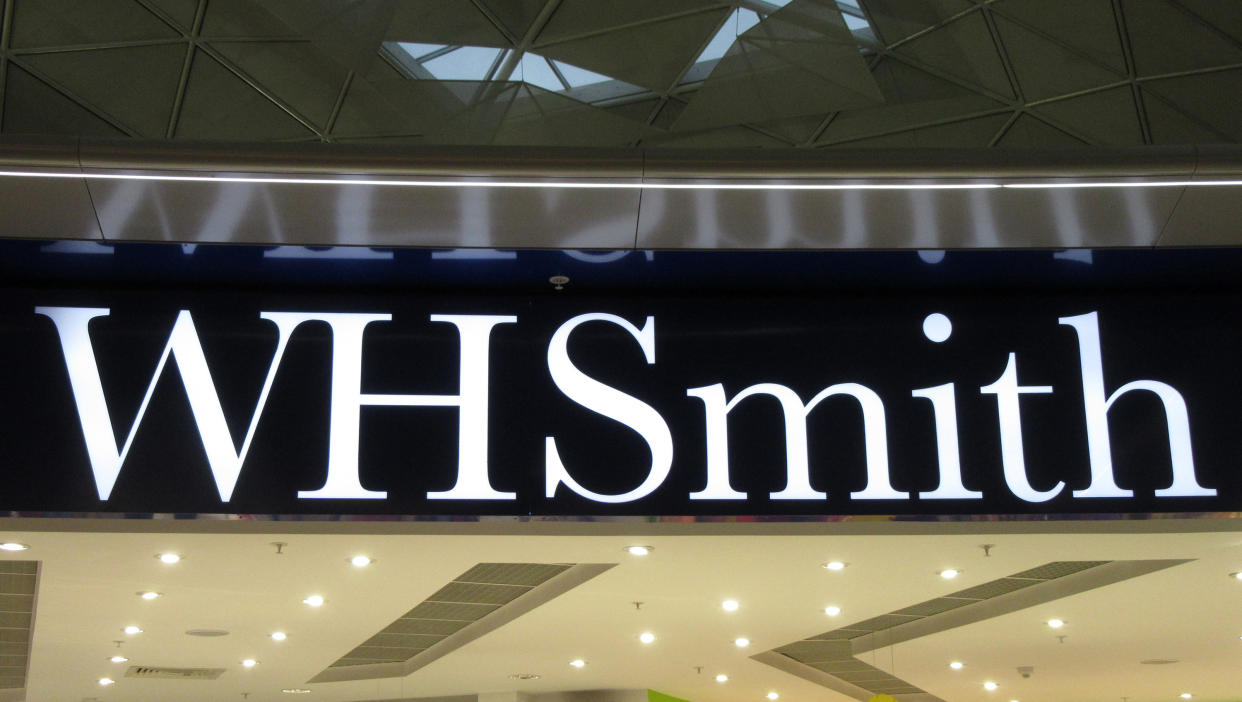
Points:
x=559 y=404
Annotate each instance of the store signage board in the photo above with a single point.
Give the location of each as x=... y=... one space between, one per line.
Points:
x=172 y=401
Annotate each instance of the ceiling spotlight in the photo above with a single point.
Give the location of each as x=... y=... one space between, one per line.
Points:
x=638 y=550
x=148 y=595
x=832 y=610
x=106 y=681
x=12 y=546
x=118 y=659
x=722 y=678
x=1185 y=695
x=989 y=686
x=646 y=637
x=957 y=665
x=361 y=561
x=835 y=565
x=169 y=558
x=313 y=601
x=1237 y=575
x=773 y=696
x=249 y=663
x=729 y=605
x=578 y=663
x=741 y=642
x=1056 y=623
x=279 y=636
x=950 y=573
x=132 y=630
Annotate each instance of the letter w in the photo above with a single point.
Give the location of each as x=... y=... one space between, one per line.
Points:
x=183 y=344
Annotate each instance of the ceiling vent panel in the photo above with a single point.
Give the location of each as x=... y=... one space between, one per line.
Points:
x=837 y=634
x=885 y=621
x=473 y=593
x=525 y=574
x=808 y=651
x=936 y=606
x=164 y=673
x=1058 y=569
x=451 y=611
x=994 y=588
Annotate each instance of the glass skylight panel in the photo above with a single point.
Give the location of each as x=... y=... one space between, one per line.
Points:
x=577 y=77
x=535 y=70
x=417 y=51
x=463 y=63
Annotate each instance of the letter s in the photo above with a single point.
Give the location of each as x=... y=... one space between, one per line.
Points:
x=611 y=403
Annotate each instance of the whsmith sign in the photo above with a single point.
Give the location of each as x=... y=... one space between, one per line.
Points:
x=168 y=402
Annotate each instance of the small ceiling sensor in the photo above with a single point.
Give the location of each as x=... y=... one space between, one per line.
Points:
x=578 y=663
x=1056 y=623
x=989 y=686
x=13 y=546
x=835 y=565
x=957 y=665
x=638 y=550
x=741 y=642
x=313 y=601
x=722 y=678
x=132 y=630
x=646 y=637
x=832 y=610
x=729 y=605
x=169 y=558
x=149 y=595
x=950 y=573
x=361 y=561
x=118 y=659
x=279 y=636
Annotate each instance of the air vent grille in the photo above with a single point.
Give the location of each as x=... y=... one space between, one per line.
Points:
x=1058 y=569
x=143 y=671
x=19 y=581
x=476 y=593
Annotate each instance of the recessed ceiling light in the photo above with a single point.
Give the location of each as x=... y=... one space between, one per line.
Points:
x=832 y=610
x=835 y=565
x=722 y=678
x=361 y=561
x=989 y=686
x=131 y=630
x=296 y=691
x=950 y=573
x=1056 y=623
x=118 y=659
x=646 y=637
x=729 y=605
x=1237 y=575
x=13 y=546
x=249 y=663
x=773 y=696
x=106 y=681
x=741 y=642
x=169 y=558
x=149 y=595
x=957 y=665
x=279 y=636
x=638 y=550
x=313 y=601
x=578 y=663
x=1185 y=695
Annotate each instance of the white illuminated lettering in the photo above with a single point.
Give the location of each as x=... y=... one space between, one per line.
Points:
x=944 y=414
x=611 y=403
x=185 y=348
x=1097 y=405
x=1013 y=459
x=797 y=464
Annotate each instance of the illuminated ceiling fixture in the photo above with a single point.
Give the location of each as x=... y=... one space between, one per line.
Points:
x=990 y=686
x=1185 y=695
x=729 y=605
x=132 y=630
x=279 y=636
x=118 y=659
x=13 y=546
x=832 y=610
x=741 y=642
x=1237 y=575
x=249 y=663
x=169 y=558
x=646 y=637
x=835 y=565
x=638 y=550
x=296 y=691
x=149 y=595
x=957 y=665
x=722 y=678
x=106 y=681
x=773 y=696
x=1056 y=623
x=313 y=601
x=361 y=561
x=950 y=573
x=578 y=663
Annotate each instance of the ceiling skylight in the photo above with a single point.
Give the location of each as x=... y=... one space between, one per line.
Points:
x=463 y=63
